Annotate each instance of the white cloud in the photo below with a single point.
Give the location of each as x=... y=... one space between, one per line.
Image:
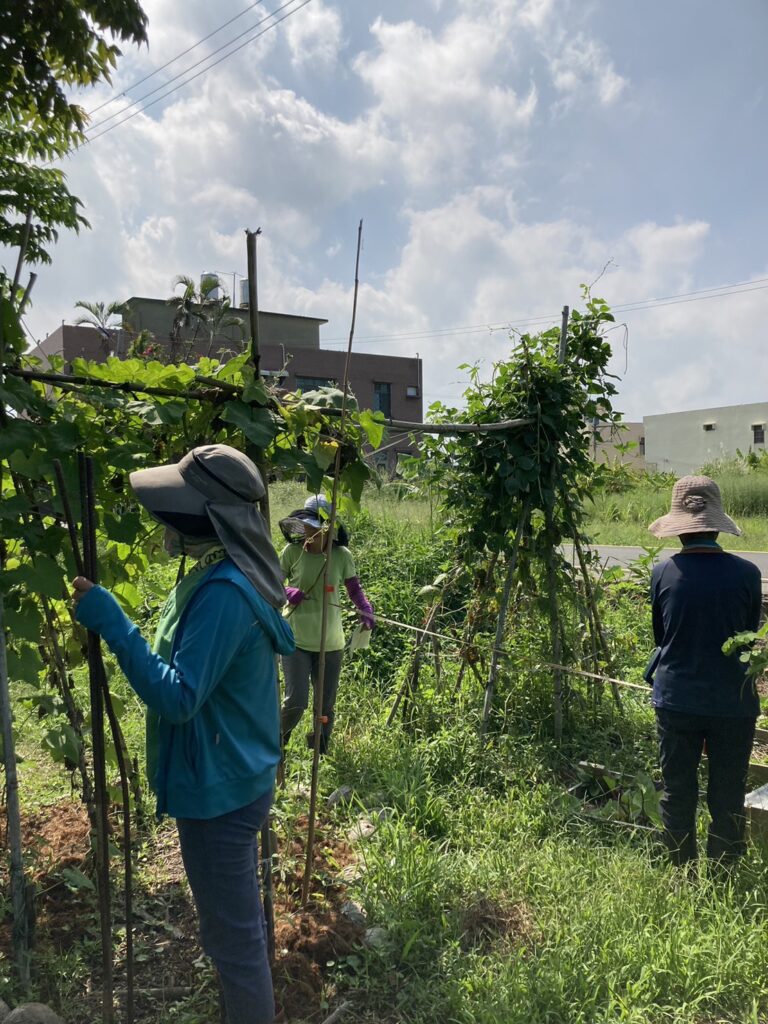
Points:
x=537 y=13
x=439 y=95
x=429 y=149
x=473 y=262
x=315 y=38
x=581 y=64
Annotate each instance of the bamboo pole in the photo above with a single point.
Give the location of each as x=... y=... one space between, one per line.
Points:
x=412 y=674
x=319 y=686
x=85 y=466
x=522 y=521
x=253 y=299
x=121 y=749
x=556 y=640
x=555 y=630
x=20 y=934
x=251 y=238
x=132 y=387
x=594 y=612
x=225 y=388
x=13 y=814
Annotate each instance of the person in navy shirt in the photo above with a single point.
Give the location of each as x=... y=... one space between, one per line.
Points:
x=704 y=700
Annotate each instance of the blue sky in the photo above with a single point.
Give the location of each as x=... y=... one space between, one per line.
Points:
x=500 y=152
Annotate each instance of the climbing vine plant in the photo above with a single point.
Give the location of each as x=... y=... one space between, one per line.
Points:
x=121 y=430
x=510 y=498
x=484 y=478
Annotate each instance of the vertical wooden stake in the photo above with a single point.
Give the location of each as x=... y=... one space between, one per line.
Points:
x=318 y=695
x=522 y=522
x=562 y=350
x=556 y=640
x=412 y=677
x=556 y=636
x=257 y=454
x=253 y=299
x=18 y=882
x=594 y=612
x=95 y=669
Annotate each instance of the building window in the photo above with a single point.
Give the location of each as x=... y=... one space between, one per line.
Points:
x=382 y=398
x=642 y=445
x=312 y=383
x=758 y=433
x=709 y=426
x=412 y=391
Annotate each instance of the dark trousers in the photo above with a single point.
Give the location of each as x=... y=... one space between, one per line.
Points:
x=301 y=670
x=221 y=860
x=729 y=745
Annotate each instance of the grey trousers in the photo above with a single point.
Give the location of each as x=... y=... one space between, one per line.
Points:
x=300 y=670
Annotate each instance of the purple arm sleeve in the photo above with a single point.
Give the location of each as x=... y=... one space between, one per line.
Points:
x=294 y=596
x=360 y=601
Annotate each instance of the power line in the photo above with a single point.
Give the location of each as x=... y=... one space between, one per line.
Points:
x=173 y=60
x=638 y=305
x=162 y=96
x=186 y=71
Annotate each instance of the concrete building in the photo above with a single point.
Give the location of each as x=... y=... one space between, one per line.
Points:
x=608 y=442
x=72 y=342
x=290 y=352
x=682 y=442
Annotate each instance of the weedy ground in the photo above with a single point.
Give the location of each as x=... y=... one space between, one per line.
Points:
x=497 y=897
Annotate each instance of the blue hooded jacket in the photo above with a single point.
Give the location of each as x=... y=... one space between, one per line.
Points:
x=216 y=695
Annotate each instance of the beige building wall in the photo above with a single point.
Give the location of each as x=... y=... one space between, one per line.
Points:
x=606 y=441
x=682 y=442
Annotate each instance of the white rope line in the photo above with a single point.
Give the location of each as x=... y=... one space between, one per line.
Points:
x=598 y=677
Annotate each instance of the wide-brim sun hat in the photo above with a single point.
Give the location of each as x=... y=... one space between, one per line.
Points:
x=317 y=510
x=316 y=514
x=222 y=485
x=697 y=507
x=214 y=472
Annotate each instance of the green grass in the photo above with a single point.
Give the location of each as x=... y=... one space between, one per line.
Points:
x=602 y=930
x=624 y=518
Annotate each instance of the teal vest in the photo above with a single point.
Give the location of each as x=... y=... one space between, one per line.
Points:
x=170 y=616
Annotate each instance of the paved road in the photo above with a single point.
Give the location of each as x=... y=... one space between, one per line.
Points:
x=625 y=555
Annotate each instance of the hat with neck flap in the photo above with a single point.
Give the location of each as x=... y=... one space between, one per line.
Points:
x=216 y=483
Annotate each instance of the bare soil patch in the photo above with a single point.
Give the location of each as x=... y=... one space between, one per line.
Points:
x=168 y=958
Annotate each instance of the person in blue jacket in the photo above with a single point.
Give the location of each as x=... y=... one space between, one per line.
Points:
x=700 y=597
x=209 y=684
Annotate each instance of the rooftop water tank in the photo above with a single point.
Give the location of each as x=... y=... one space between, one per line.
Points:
x=205 y=281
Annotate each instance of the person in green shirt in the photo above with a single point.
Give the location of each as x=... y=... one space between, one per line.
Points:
x=303 y=563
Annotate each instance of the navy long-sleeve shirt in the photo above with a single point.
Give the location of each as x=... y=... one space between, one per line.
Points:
x=699 y=599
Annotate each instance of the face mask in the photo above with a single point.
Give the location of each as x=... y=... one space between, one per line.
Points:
x=173 y=542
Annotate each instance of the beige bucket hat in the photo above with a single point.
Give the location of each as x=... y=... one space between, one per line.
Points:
x=696 y=508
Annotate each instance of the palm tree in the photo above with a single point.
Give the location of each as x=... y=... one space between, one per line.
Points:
x=219 y=318
x=99 y=315
x=196 y=311
x=188 y=312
